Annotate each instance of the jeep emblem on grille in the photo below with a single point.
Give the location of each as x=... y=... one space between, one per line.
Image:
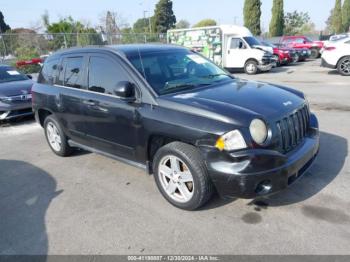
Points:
x=288 y=103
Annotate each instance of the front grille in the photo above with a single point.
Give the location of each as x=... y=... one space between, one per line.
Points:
x=293 y=129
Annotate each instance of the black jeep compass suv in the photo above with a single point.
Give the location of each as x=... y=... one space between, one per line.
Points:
x=180 y=117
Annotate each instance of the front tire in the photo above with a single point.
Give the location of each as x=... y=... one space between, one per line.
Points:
x=55 y=137
x=251 y=67
x=278 y=62
x=344 y=66
x=181 y=176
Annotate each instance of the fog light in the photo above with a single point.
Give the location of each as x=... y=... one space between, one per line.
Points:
x=264 y=187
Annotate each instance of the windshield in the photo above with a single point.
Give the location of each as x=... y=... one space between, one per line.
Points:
x=9 y=74
x=308 y=40
x=252 y=41
x=174 y=71
x=268 y=44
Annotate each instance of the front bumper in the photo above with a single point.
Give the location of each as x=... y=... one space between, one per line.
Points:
x=14 y=110
x=265 y=67
x=257 y=172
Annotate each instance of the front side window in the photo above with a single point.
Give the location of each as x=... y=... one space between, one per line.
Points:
x=104 y=75
x=10 y=74
x=72 y=72
x=299 y=40
x=237 y=43
x=174 y=71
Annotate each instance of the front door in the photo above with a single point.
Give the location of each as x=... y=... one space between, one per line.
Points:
x=237 y=53
x=111 y=123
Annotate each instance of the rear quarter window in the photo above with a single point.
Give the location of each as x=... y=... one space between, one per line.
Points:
x=48 y=73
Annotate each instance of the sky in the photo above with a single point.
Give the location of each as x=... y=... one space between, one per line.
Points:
x=20 y=13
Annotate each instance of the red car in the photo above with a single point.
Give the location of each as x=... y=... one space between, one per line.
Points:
x=303 y=42
x=283 y=56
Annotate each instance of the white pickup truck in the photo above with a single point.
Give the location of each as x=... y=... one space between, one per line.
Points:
x=230 y=46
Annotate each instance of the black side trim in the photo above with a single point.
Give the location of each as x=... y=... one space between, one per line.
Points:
x=121 y=159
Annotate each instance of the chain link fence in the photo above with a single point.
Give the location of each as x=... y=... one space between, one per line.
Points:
x=13 y=46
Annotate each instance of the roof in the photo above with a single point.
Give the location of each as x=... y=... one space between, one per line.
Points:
x=226 y=29
x=127 y=50
x=145 y=48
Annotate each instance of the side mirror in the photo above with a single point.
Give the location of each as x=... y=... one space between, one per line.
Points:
x=30 y=76
x=125 y=91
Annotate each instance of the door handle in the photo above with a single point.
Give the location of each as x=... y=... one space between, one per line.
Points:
x=228 y=51
x=89 y=102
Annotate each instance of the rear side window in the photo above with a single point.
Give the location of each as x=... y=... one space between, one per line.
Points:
x=72 y=72
x=48 y=73
x=104 y=75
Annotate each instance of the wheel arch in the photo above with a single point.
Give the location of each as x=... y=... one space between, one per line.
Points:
x=251 y=59
x=155 y=142
x=42 y=114
x=341 y=59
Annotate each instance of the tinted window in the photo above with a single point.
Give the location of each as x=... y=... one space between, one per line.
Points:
x=104 y=75
x=49 y=72
x=9 y=74
x=72 y=73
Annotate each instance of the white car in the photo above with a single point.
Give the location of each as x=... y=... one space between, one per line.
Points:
x=337 y=56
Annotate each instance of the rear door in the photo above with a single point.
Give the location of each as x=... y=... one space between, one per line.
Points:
x=237 y=53
x=71 y=81
x=110 y=123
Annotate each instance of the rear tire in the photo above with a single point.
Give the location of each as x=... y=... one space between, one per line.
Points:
x=344 y=66
x=251 y=67
x=55 y=137
x=181 y=176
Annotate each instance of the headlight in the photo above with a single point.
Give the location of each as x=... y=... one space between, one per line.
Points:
x=258 y=131
x=231 y=141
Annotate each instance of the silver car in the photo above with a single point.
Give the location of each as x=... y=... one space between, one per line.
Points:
x=15 y=93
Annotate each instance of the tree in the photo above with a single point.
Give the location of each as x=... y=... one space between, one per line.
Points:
x=183 y=24
x=346 y=15
x=141 y=25
x=337 y=24
x=277 y=20
x=164 y=18
x=252 y=15
x=329 y=27
x=206 y=22
x=3 y=26
x=67 y=33
x=298 y=23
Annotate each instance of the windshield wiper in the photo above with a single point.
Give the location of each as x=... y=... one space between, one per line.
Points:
x=182 y=86
x=216 y=75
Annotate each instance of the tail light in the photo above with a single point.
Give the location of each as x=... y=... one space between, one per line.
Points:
x=330 y=48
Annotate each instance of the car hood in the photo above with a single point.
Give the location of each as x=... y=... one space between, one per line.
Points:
x=242 y=99
x=15 y=88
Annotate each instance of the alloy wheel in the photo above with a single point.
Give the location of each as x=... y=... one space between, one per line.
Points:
x=345 y=66
x=176 y=179
x=54 y=136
